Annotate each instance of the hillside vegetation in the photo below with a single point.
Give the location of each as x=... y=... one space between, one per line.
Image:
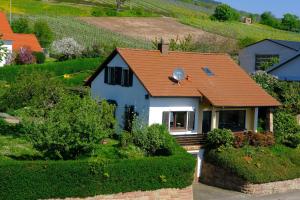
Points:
x=61 y=16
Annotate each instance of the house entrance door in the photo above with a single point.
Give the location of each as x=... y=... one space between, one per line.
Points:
x=206 y=122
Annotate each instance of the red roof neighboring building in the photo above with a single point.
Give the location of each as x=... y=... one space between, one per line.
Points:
x=19 y=40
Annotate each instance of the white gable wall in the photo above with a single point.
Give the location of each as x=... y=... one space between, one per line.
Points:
x=8 y=46
x=290 y=71
x=134 y=95
x=247 y=55
x=158 y=105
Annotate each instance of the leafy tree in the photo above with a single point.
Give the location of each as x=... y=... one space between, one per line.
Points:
x=21 y=25
x=290 y=22
x=120 y=3
x=224 y=12
x=267 y=18
x=72 y=128
x=66 y=48
x=43 y=32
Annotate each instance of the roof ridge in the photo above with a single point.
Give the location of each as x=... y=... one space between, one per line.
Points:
x=183 y=52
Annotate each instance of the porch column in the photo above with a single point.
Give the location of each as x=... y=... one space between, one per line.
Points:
x=255 y=119
x=270 y=120
x=213 y=119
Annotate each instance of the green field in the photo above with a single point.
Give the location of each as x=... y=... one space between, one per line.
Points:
x=88 y=35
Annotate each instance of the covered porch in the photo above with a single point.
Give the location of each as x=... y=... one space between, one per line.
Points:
x=237 y=119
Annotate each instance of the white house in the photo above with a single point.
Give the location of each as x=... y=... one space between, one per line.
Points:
x=214 y=93
x=191 y=93
x=286 y=53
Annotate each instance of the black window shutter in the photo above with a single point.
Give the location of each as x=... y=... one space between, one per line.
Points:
x=106 y=75
x=125 y=78
x=165 y=118
x=130 y=77
x=112 y=76
x=118 y=75
x=191 y=121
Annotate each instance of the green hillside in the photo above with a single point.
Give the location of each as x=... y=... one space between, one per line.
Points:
x=61 y=16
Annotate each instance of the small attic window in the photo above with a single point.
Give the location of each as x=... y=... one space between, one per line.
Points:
x=207 y=71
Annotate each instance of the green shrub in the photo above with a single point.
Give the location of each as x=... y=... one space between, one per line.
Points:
x=126 y=139
x=284 y=124
x=44 y=33
x=131 y=151
x=155 y=139
x=291 y=140
x=28 y=180
x=71 y=128
x=218 y=138
x=40 y=57
x=31 y=90
x=224 y=12
x=21 y=25
x=97 y=12
x=246 y=41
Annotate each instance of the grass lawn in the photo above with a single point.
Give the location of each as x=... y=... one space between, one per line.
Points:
x=259 y=165
x=16 y=147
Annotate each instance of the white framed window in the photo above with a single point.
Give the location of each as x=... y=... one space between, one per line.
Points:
x=178 y=121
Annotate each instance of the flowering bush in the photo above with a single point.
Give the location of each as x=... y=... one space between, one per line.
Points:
x=66 y=48
x=25 y=56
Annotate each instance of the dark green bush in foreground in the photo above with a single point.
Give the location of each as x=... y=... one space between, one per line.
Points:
x=49 y=179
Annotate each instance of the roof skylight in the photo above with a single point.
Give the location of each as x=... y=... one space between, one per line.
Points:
x=207 y=71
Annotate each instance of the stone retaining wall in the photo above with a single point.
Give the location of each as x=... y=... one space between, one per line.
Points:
x=216 y=176
x=162 y=194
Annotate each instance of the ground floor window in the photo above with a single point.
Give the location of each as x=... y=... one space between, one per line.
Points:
x=235 y=120
x=179 y=121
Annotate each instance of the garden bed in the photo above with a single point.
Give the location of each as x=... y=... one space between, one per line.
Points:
x=258 y=164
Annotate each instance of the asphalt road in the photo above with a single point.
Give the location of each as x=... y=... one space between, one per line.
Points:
x=204 y=192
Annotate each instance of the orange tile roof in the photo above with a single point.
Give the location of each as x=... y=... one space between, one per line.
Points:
x=230 y=86
x=5 y=27
x=19 y=40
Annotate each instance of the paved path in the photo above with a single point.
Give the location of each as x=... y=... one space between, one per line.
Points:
x=204 y=192
x=9 y=119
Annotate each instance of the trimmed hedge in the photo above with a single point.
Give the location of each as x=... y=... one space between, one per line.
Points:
x=57 y=68
x=60 y=179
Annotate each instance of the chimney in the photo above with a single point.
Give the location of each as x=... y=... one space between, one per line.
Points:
x=163 y=47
